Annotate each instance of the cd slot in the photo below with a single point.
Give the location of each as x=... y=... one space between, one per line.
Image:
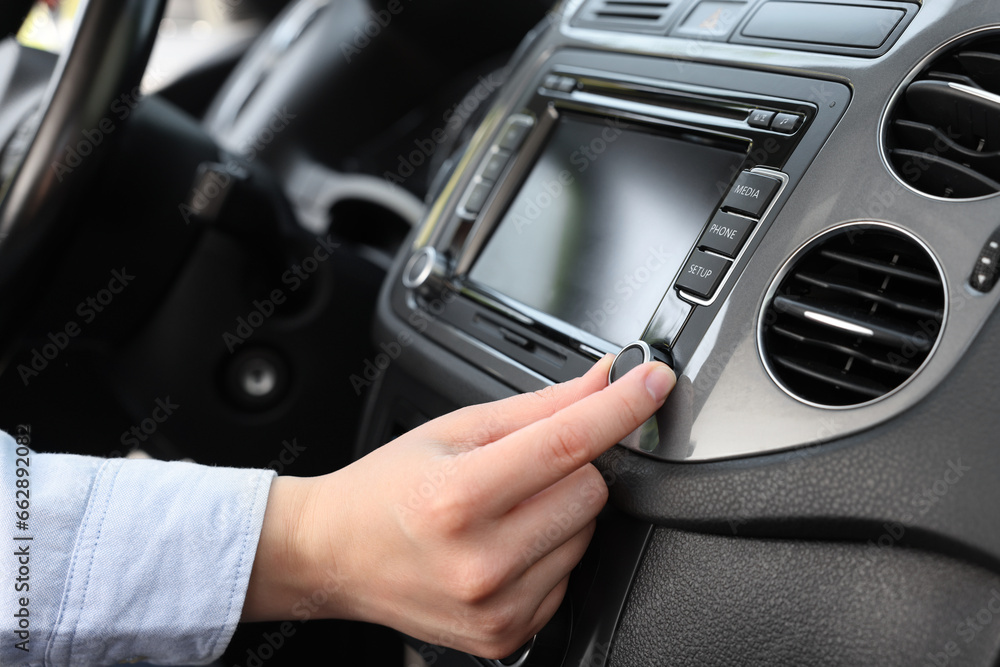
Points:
x=666 y=98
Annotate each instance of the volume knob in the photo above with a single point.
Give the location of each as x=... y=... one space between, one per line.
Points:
x=424 y=267
x=634 y=355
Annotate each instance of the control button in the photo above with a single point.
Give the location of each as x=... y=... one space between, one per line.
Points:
x=761 y=118
x=712 y=18
x=425 y=265
x=565 y=84
x=751 y=194
x=476 y=198
x=826 y=23
x=631 y=356
x=726 y=234
x=551 y=81
x=703 y=274
x=787 y=123
x=986 y=271
x=494 y=166
x=634 y=355
x=514 y=132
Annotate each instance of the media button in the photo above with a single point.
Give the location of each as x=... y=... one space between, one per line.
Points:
x=726 y=234
x=702 y=274
x=751 y=194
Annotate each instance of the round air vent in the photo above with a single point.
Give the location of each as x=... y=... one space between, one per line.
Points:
x=942 y=133
x=854 y=315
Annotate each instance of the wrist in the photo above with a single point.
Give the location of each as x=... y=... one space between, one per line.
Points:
x=285 y=558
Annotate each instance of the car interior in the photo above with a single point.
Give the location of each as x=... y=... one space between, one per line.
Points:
x=270 y=233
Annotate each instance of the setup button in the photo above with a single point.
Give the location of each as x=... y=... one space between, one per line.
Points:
x=726 y=234
x=702 y=274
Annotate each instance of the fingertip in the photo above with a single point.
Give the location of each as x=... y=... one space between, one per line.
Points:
x=660 y=381
x=601 y=368
x=604 y=363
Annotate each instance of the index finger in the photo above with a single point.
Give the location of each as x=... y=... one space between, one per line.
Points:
x=537 y=456
x=482 y=424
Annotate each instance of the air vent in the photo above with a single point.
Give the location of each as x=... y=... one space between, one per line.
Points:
x=943 y=133
x=645 y=16
x=855 y=316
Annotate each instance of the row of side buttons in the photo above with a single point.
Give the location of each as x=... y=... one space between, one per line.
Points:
x=513 y=134
x=786 y=123
x=726 y=234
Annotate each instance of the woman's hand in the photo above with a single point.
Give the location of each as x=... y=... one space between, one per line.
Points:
x=462 y=532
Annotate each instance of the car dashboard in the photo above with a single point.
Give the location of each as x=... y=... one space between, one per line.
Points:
x=792 y=204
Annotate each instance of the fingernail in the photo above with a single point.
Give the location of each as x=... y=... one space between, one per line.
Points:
x=660 y=381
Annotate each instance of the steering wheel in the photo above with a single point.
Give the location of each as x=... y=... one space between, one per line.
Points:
x=101 y=67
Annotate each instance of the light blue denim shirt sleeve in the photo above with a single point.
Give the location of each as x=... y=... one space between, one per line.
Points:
x=123 y=560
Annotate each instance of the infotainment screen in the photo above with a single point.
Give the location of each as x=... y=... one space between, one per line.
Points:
x=604 y=221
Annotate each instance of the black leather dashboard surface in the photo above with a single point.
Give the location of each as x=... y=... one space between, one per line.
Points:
x=714 y=600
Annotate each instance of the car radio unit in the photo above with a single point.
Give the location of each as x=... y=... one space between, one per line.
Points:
x=609 y=205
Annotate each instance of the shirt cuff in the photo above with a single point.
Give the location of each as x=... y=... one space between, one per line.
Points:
x=161 y=560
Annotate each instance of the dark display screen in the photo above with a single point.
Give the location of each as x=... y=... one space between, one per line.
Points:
x=603 y=223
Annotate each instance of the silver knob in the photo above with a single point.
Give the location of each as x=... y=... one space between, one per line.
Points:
x=424 y=265
x=633 y=355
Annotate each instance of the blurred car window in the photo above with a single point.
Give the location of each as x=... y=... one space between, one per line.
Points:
x=49 y=25
x=192 y=32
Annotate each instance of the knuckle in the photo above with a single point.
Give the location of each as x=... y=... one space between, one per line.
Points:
x=447 y=514
x=499 y=621
x=545 y=394
x=477 y=579
x=490 y=424
x=564 y=450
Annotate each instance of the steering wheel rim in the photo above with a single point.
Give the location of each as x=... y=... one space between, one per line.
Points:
x=106 y=57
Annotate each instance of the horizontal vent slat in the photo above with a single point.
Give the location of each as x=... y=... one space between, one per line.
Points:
x=835 y=379
x=842 y=321
x=913 y=275
x=953 y=78
x=636 y=4
x=983 y=66
x=901 y=367
x=942 y=177
x=625 y=16
x=638 y=16
x=852 y=289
